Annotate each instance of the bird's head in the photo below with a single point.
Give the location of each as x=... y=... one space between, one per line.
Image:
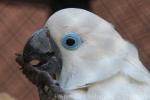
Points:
x=84 y=39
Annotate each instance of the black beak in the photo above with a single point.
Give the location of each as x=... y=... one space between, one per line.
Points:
x=40 y=46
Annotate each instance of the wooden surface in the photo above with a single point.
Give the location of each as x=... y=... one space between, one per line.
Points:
x=17 y=21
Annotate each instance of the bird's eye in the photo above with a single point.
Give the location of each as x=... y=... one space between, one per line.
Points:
x=71 y=40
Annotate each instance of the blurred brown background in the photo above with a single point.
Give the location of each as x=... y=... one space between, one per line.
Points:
x=19 y=19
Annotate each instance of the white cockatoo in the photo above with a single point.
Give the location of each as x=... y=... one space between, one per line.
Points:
x=98 y=64
x=94 y=61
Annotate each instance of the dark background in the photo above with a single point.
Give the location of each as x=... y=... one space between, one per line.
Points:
x=18 y=19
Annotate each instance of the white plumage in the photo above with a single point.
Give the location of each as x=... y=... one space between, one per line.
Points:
x=104 y=67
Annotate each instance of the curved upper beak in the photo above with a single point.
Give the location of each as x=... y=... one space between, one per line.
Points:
x=42 y=47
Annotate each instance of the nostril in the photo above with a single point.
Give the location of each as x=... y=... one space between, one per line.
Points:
x=34 y=62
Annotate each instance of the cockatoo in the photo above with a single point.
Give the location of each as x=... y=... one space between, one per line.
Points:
x=97 y=63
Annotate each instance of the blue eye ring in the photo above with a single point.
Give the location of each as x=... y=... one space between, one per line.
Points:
x=71 y=41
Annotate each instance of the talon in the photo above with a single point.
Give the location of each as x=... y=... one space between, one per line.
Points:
x=57 y=89
x=17 y=54
x=21 y=68
x=46 y=89
x=19 y=60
